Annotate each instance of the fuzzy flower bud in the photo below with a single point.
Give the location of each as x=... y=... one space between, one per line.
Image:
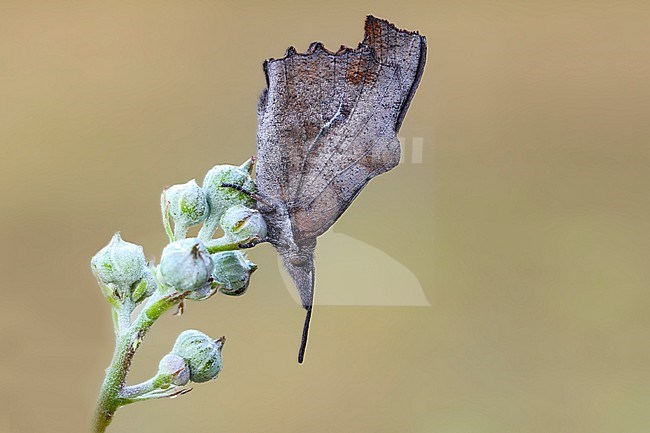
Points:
x=173 y=370
x=201 y=353
x=119 y=264
x=221 y=197
x=188 y=206
x=186 y=265
x=232 y=272
x=243 y=224
x=203 y=293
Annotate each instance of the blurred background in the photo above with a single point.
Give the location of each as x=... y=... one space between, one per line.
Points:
x=525 y=222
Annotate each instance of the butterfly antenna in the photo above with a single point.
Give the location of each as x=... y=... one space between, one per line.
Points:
x=257 y=196
x=305 y=335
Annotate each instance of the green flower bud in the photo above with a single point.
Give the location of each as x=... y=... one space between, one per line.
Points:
x=173 y=370
x=119 y=264
x=188 y=206
x=145 y=287
x=232 y=272
x=243 y=224
x=186 y=265
x=221 y=198
x=201 y=353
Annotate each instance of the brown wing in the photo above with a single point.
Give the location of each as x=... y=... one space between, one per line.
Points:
x=328 y=122
x=327 y=125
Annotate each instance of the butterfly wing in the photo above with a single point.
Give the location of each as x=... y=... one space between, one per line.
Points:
x=328 y=121
x=327 y=124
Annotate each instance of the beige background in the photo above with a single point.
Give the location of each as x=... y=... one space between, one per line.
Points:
x=526 y=224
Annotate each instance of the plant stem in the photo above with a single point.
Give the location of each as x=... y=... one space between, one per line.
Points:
x=226 y=243
x=126 y=343
x=108 y=403
x=129 y=392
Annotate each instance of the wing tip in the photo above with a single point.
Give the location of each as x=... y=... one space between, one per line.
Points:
x=372 y=22
x=372 y=29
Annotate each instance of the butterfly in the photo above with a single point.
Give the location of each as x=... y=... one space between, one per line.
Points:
x=327 y=124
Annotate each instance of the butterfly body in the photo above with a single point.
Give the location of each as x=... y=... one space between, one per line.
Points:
x=296 y=254
x=327 y=124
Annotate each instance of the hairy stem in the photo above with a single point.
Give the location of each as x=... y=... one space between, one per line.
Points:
x=108 y=402
x=130 y=392
x=126 y=343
